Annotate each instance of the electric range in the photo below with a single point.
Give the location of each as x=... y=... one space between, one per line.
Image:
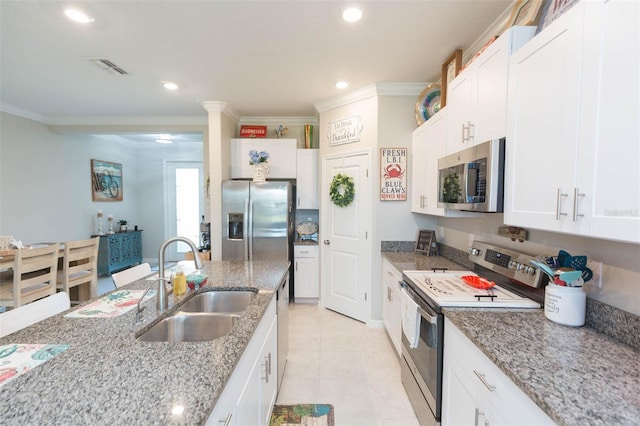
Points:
x=517 y=285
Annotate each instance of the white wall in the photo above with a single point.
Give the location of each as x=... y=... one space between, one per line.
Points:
x=45 y=184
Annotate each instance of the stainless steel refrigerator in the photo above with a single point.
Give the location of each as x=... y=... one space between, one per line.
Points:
x=257 y=220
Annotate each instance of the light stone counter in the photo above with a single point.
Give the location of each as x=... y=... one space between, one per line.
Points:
x=576 y=375
x=108 y=377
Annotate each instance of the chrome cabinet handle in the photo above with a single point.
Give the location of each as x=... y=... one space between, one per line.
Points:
x=483 y=379
x=327 y=242
x=559 y=203
x=266 y=370
x=470 y=135
x=477 y=416
x=227 y=421
x=576 y=195
x=464 y=139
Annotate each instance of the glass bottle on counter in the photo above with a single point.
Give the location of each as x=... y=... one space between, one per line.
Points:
x=179 y=285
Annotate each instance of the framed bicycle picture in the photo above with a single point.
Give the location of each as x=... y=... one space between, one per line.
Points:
x=106 y=181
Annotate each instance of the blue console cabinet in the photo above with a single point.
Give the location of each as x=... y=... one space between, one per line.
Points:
x=119 y=251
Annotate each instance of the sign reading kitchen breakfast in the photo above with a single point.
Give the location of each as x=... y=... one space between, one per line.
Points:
x=393 y=174
x=344 y=131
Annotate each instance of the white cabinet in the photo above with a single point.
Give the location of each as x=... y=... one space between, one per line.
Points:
x=306 y=273
x=572 y=136
x=251 y=391
x=307 y=179
x=477 y=97
x=391 y=311
x=428 y=145
x=282 y=157
x=476 y=392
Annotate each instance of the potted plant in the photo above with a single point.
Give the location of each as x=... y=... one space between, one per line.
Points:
x=123 y=225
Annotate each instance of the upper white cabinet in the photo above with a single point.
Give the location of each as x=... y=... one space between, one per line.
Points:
x=282 y=157
x=307 y=179
x=572 y=136
x=428 y=145
x=477 y=97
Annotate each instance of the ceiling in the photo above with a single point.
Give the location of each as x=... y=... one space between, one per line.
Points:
x=263 y=58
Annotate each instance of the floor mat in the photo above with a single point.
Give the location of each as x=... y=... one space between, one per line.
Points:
x=302 y=414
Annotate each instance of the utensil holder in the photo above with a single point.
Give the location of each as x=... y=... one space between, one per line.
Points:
x=565 y=305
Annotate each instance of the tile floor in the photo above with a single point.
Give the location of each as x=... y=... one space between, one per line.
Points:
x=336 y=360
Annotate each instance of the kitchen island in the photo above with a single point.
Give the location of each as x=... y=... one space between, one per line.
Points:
x=106 y=376
x=576 y=375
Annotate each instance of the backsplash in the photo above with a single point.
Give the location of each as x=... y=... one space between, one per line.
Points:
x=609 y=320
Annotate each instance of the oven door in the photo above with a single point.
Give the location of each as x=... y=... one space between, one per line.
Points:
x=422 y=366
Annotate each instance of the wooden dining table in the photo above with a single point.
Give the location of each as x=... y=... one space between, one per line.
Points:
x=7 y=265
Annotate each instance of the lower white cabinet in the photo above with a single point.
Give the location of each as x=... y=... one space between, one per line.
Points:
x=250 y=393
x=391 y=311
x=476 y=392
x=306 y=273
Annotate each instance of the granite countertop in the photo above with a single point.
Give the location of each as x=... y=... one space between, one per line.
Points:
x=576 y=375
x=106 y=376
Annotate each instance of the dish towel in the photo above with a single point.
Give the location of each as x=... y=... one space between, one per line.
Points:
x=410 y=319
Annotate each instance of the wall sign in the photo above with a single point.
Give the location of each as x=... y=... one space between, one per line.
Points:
x=253 y=131
x=393 y=174
x=344 y=131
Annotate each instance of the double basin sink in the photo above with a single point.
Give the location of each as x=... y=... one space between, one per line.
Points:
x=206 y=316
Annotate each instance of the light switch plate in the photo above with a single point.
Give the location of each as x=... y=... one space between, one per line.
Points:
x=596 y=268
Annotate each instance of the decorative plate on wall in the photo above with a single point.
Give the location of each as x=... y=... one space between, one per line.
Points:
x=428 y=103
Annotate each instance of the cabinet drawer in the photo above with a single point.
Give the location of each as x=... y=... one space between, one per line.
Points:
x=305 y=251
x=512 y=404
x=389 y=272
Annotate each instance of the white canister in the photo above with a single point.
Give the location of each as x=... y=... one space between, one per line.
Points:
x=565 y=305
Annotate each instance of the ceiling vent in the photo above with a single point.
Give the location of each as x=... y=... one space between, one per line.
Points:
x=107 y=65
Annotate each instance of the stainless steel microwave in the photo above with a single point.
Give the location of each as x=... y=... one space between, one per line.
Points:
x=473 y=179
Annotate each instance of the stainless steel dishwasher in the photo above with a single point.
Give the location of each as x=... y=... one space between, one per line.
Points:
x=282 y=306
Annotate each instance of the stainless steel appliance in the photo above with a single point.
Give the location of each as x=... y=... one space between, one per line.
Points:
x=282 y=297
x=473 y=179
x=258 y=221
x=517 y=286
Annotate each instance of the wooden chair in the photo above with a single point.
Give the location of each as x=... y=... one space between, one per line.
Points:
x=80 y=268
x=130 y=275
x=31 y=313
x=34 y=276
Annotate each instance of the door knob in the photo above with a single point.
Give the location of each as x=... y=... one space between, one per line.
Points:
x=327 y=242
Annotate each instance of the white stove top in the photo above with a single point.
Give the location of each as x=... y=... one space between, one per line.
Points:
x=448 y=289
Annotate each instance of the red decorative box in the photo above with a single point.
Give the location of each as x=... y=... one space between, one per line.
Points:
x=253 y=131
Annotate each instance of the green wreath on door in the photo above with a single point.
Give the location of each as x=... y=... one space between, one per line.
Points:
x=342 y=190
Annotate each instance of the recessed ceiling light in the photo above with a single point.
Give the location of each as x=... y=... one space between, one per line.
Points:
x=78 y=16
x=352 y=14
x=170 y=86
x=342 y=85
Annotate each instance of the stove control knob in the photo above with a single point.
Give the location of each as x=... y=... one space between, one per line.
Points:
x=474 y=251
x=513 y=264
x=521 y=267
x=530 y=270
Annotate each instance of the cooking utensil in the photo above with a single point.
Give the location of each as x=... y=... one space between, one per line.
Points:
x=576 y=262
x=562 y=256
x=544 y=268
x=570 y=276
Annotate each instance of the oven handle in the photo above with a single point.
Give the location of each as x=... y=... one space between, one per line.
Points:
x=423 y=309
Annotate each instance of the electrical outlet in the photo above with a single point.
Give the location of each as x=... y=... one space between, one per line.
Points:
x=596 y=268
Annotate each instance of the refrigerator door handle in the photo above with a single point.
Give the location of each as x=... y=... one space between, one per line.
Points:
x=248 y=242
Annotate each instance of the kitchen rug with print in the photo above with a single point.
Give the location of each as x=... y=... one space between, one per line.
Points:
x=302 y=414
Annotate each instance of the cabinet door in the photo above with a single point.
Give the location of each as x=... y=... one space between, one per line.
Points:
x=459 y=105
x=306 y=277
x=282 y=157
x=542 y=125
x=268 y=374
x=419 y=172
x=609 y=149
x=391 y=311
x=307 y=179
x=435 y=149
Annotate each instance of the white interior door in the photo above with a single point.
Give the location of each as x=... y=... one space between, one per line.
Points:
x=185 y=205
x=346 y=248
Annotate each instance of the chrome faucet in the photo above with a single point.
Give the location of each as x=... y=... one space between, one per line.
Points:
x=162 y=301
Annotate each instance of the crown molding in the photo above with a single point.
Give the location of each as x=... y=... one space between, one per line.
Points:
x=375 y=89
x=275 y=121
x=19 y=112
x=219 y=106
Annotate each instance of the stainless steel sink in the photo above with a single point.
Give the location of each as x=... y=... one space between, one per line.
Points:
x=220 y=301
x=190 y=327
